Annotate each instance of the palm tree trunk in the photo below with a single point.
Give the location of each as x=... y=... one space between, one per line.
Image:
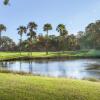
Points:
x=31 y=49
x=47 y=44
x=0 y=41
x=20 y=44
x=63 y=43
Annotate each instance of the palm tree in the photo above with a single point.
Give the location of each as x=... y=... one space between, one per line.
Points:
x=32 y=26
x=21 y=31
x=63 y=33
x=2 y=28
x=64 y=36
x=60 y=28
x=5 y=2
x=46 y=28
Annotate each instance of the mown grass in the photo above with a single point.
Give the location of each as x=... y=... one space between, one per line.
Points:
x=20 y=87
x=68 y=54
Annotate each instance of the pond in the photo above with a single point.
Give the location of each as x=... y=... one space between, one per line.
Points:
x=78 y=68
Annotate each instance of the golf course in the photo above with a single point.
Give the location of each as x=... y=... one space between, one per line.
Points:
x=21 y=87
x=4 y=56
x=49 y=49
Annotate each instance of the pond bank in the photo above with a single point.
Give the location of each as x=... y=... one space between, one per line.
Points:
x=49 y=58
x=12 y=56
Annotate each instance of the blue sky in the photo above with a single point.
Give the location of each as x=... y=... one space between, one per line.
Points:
x=75 y=14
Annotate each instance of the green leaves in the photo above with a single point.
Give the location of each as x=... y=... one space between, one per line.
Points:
x=2 y=27
x=32 y=25
x=21 y=30
x=47 y=27
x=61 y=28
x=6 y=2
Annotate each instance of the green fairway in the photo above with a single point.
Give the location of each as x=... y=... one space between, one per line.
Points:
x=16 y=55
x=17 y=87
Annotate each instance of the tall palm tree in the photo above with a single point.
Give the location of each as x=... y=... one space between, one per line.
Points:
x=32 y=26
x=21 y=31
x=46 y=28
x=63 y=33
x=2 y=28
x=60 y=28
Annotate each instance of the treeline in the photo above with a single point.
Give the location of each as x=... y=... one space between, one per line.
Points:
x=89 y=39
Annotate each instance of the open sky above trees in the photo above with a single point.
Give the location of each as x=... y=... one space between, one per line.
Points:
x=76 y=15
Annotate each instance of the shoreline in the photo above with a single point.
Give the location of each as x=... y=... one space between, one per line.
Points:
x=12 y=56
x=33 y=75
x=49 y=58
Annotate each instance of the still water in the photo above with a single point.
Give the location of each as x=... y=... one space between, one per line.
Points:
x=80 y=68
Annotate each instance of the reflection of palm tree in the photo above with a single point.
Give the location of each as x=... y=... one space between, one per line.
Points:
x=63 y=72
x=30 y=67
x=20 y=65
x=9 y=64
x=47 y=66
x=61 y=69
x=4 y=64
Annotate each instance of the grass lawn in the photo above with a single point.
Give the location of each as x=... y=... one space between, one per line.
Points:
x=17 y=87
x=14 y=55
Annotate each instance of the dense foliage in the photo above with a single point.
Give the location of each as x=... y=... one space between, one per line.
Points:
x=89 y=39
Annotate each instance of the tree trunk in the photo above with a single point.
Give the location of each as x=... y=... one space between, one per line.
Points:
x=0 y=41
x=31 y=47
x=20 y=44
x=47 y=44
x=63 y=45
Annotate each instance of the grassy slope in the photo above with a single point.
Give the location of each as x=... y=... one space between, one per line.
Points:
x=10 y=55
x=16 y=87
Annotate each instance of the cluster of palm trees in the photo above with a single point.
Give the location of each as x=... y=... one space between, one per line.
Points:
x=30 y=31
x=31 y=28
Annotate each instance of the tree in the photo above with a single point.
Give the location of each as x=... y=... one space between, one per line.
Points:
x=53 y=41
x=2 y=28
x=6 y=2
x=8 y=44
x=80 y=38
x=21 y=31
x=60 y=28
x=72 y=42
x=46 y=28
x=32 y=26
x=63 y=33
x=92 y=34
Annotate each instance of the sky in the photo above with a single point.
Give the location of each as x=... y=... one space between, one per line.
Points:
x=75 y=14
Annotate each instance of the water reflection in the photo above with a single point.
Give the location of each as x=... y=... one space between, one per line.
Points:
x=59 y=68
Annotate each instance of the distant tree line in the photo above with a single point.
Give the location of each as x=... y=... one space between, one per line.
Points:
x=89 y=39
